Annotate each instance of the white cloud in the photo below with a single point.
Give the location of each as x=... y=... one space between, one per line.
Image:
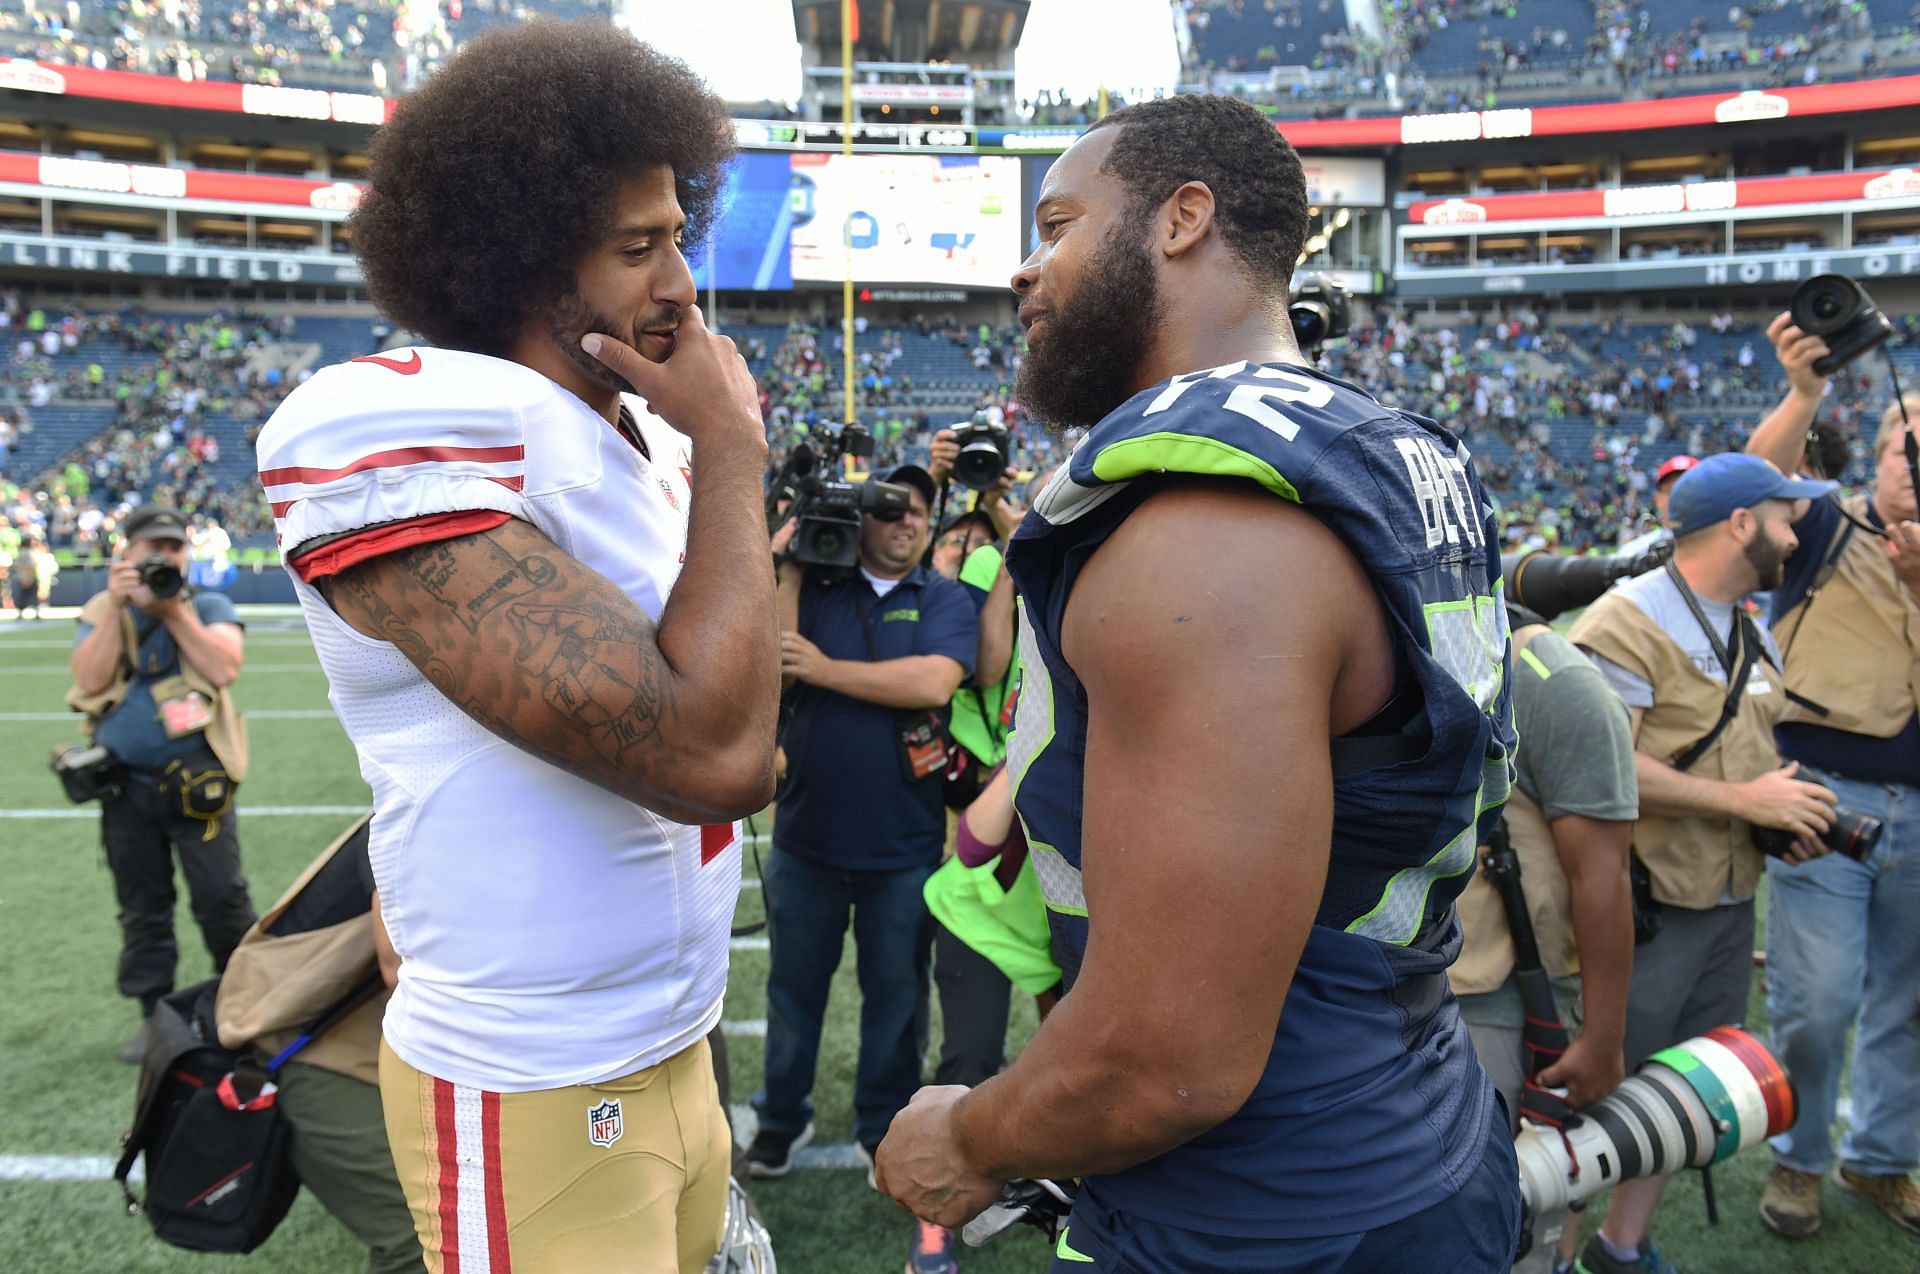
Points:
x=744 y=48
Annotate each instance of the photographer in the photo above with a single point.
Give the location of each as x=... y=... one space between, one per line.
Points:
x=1843 y=951
x=1570 y=823
x=1703 y=684
x=152 y=668
x=873 y=657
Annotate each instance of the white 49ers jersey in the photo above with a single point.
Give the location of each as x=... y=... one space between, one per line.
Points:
x=551 y=933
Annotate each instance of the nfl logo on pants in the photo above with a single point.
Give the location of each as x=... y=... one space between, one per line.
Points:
x=603 y=1123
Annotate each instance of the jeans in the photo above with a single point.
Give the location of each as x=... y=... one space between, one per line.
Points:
x=807 y=909
x=1843 y=947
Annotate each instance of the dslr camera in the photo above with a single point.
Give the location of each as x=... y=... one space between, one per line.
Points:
x=1839 y=311
x=162 y=578
x=1321 y=309
x=828 y=509
x=986 y=449
x=1854 y=834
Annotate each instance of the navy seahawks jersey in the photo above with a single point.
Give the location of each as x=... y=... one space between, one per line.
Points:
x=1373 y=1106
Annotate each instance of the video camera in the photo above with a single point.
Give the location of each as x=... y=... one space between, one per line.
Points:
x=1321 y=310
x=986 y=449
x=827 y=508
x=1549 y=584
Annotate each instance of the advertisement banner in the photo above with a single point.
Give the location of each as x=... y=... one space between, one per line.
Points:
x=211 y=264
x=1895 y=186
x=1691 y=274
x=935 y=219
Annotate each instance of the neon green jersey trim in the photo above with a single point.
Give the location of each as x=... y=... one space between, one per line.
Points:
x=1187 y=453
x=1533 y=662
x=1066 y=1252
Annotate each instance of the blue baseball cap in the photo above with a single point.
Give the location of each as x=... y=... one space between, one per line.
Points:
x=1711 y=490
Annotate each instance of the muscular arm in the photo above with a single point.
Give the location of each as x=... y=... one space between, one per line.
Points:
x=556 y=660
x=1212 y=696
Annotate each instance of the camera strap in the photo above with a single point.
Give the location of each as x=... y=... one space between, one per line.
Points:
x=1746 y=645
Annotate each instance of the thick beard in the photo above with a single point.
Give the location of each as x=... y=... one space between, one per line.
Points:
x=1096 y=336
x=1768 y=562
x=572 y=318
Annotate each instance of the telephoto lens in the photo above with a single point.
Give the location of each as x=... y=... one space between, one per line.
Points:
x=1853 y=834
x=1689 y=1106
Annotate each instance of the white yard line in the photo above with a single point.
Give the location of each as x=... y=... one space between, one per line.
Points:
x=48 y=670
x=745 y=1028
x=756 y=943
x=246 y=811
x=253 y=643
x=838 y=1156
x=256 y=714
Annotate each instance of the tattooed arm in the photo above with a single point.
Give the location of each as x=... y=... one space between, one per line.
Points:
x=555 y=659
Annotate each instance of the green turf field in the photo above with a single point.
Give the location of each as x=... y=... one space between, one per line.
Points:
x=66 y=1094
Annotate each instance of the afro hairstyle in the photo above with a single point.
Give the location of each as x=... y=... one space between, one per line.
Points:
x=489 y=185
x=1259 y=189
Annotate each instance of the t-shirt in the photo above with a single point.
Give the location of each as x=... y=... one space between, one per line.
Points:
x=1571 y=729
x=1575 y=757
x=132 y=731
x=846 y=802
x=1655 y=594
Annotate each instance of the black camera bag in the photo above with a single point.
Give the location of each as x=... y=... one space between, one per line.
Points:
x=215 y=1140
x=219 y=1176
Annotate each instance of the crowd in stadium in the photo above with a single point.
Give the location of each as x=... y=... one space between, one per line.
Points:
x=180 y=392
x=1513 y=386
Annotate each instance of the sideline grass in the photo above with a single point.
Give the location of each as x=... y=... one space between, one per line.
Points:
x=62 y=1025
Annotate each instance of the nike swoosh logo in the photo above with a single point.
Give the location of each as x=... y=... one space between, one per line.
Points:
x=1066 y=1252
x=407 y=368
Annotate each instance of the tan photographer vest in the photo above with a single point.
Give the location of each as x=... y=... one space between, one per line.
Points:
x=1692 y=861
x=226 y=733
x=277 y=984
x=1859 y=657
x=1487 y=953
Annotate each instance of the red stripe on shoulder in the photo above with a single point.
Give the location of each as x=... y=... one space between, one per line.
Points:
x=336 y=556
x=394 y=459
